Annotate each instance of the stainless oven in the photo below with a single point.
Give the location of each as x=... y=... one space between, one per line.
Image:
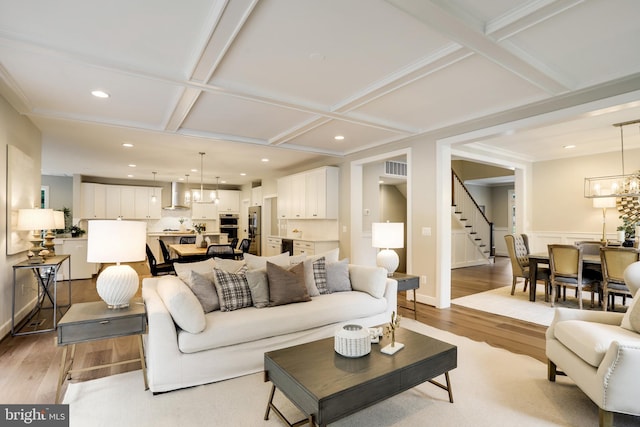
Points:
x=229 y=225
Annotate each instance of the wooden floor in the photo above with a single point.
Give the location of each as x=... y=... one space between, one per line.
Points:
x=30 y=364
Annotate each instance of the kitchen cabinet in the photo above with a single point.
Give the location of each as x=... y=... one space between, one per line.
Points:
x=145 y=207
x=256 y=196
x=93 y=201
x=309 y=195
x=100 y=201
x=311 y=247
x=77 y=249
x=229 y=201
x=204 y=211
x=273 y=247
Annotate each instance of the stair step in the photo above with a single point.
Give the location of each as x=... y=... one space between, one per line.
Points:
x=473 y=232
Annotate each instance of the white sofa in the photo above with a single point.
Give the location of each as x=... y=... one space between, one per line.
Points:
x=233 y=343
x=600 y=352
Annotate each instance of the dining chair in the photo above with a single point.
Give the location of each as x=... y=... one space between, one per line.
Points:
x=518 y=248
x=165 y=251
x=220 y=251
x=234 y=242
x=158 y=269
x=565 y=263
x=244 y=245
x=614 y=261
x=185 y=240
x=590 y=247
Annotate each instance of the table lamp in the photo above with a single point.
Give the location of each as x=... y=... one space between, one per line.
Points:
x=116 y=241
x=58 y=219
x=35 y=220
x=387 y=236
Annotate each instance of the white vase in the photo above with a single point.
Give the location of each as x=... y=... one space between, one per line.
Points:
x=199 y=240
x=621 y=236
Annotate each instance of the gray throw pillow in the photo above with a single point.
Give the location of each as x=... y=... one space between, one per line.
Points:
x=259 y=286
x=204 y=290
x=338 y=276
x=286 y=286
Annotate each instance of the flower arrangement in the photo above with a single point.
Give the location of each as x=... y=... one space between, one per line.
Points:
x=76 y=231
x=200 y=227
x=182 y=220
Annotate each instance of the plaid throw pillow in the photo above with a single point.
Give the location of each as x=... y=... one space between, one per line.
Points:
x=320 y=275
x=233 y=289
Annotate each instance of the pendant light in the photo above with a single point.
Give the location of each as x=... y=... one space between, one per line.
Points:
x=201 y=198
x=187 y=194
x=153 y=195
x=217 y=198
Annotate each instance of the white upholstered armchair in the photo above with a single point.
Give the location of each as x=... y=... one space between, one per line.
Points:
x=600 y=352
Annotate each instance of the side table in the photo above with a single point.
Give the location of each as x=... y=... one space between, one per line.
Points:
x=46 y=273
x=407 y=282
x=92 y=321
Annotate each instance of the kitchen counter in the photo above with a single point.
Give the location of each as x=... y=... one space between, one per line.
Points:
x=180 y=233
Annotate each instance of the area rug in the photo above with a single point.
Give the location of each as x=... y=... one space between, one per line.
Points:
x=491 y=387
x=517 y=306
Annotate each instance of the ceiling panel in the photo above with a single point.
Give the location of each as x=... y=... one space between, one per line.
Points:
x=223 y=114
x=596 y=42
x=321 y=53
x=467 y=89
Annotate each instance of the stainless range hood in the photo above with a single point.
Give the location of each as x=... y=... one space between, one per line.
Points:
x=178 y=191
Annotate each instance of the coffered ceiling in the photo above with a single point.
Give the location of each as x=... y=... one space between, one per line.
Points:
x=246 y=80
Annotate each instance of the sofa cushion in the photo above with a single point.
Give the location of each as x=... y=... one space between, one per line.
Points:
x=255 y=262
x=229 y=265
x=204 y=289
x=252 y=324
x=233 y=290
x=338 y=276
x=203 y=267
x=183 y=305
x=286 y=286
x=259 y=287
x=631 y=319
x=372 y=280
x=590 y=340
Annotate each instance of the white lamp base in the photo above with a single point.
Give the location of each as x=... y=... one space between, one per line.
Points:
x=388 y=258
x=388 y=349
x=116 y=285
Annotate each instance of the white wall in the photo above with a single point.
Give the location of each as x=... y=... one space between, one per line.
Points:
x=18 y=131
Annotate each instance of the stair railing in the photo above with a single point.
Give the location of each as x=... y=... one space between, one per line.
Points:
x=473 y=217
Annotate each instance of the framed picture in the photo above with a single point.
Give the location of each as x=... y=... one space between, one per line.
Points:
x=22 y=180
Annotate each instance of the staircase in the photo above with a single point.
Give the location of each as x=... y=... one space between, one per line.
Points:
x=466 y=211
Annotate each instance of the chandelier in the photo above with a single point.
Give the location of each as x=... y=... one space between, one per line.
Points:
x=615 y=185
x=199 y=196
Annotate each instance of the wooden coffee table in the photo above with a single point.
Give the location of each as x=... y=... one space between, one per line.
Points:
x=326 y=386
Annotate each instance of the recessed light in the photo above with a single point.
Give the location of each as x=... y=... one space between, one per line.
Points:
x=127 y=144
x=381 y=182
x=100 y=94
x=338 y=137
x=570 y=146
x=223 y=182
x=132 y=165
x=242 y=174
x=129 y=176
x=194 y=170
x=265 y=160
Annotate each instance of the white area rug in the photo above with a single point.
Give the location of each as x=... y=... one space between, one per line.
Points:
x=500 y=301
x=491 y=387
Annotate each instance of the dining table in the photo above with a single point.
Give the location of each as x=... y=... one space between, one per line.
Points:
x=188 y=251
x=588 y=260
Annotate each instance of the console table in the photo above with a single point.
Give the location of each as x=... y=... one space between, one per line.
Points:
x=407 y=282
x=46 y=273
x=91 y=321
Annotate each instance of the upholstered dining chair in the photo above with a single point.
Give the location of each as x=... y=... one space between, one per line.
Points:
x=518 y=248
x=565 y=263
x=614 y=261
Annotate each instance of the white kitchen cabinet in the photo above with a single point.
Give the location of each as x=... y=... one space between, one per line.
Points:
x=311 y=247
x=145 y=207
x=273 y=247
x=204 y=211
x=93 y=201
x=309 y=195
x=76 y=248
x=256 y=196
x=229 y=201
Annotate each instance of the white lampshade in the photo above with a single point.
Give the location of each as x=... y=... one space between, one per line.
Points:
x=604 y=202
x=117 y=241
x=387 y=235
x=58 y=217
x=35 y=219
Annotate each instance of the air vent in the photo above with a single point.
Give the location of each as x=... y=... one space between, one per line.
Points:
x=392 y=168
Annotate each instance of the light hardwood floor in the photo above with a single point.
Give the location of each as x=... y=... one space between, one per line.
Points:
x=30 y=364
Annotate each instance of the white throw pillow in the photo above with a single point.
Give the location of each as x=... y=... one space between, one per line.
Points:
x=255 y=262
x=183 y=305
x=202 y=267
x=372 y=280
x=229 y=265
x=631 y=319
